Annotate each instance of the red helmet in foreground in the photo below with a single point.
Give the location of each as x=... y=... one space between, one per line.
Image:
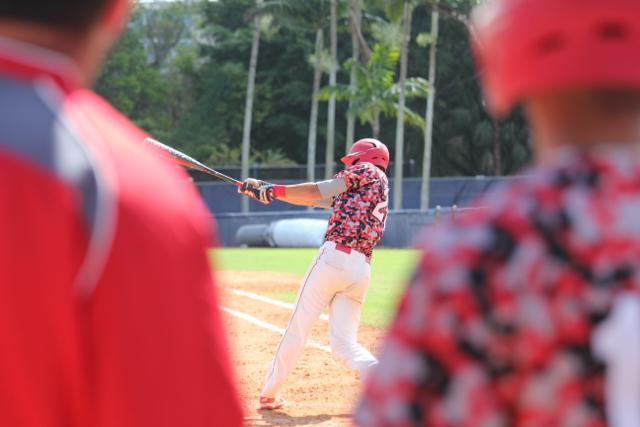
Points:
x=525 y=47
x=368 y=150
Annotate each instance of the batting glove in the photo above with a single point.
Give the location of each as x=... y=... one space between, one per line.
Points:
x=258 y=190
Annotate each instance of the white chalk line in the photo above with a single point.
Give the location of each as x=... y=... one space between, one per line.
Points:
x=269 y=301
x=269 y=326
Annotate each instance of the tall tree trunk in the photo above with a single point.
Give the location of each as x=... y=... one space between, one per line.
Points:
x=428 y=133
x=313 y=118
x=497 y=148
x=331 y=119
x=355 y=10
x=375 y=125
x=248 y=109
x=404 y=55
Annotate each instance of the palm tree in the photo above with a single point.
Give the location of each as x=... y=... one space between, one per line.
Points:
x=305 y=16
x=355 y=20
x=428 y=133
x=376 y=93
x=248 y=109
x=399 y=12
x=313 y=117
x=331 y=114
x=404 y=54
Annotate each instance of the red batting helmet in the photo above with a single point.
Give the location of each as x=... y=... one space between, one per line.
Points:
x=532 y=46
x=368 y=150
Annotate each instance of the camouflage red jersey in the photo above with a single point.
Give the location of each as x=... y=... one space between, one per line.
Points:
x=360 y=213
x=496 y=327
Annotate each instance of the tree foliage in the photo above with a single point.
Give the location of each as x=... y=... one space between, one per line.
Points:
x=377 y=92
x=180 y=72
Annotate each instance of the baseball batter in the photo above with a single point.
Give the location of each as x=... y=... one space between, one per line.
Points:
x=339 y=274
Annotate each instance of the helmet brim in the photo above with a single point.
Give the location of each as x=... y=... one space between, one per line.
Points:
x=350 y=158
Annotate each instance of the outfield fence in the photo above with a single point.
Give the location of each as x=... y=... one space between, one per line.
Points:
x=403 y=227
x=222 y=198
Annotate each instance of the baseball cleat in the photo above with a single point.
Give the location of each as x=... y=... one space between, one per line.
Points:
x=271 y=403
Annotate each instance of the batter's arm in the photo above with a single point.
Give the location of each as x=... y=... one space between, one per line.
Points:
x=316 y=194
x=310 y=191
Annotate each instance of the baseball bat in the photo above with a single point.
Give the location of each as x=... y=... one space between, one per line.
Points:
x=187 y=161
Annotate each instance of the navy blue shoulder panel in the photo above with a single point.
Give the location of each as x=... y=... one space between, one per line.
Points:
x=33 y=128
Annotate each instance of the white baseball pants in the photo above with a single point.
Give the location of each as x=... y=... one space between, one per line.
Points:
x=340 y=281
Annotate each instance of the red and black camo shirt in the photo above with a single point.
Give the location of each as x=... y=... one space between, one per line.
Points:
x=496 y=327
x=360 y=213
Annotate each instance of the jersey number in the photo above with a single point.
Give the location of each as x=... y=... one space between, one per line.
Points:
x=382 y=208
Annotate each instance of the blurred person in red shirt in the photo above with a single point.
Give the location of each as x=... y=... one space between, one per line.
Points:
x=527 y=313
x=108 y=312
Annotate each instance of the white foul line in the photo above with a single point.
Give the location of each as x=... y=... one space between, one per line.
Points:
x=269 y=301
x=269 y=326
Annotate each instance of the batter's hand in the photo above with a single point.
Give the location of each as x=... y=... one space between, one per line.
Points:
x=258 y=190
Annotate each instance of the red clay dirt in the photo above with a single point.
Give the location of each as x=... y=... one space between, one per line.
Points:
x=320 y=391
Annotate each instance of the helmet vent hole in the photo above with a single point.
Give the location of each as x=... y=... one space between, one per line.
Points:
x=612 y=31
x=549 y=44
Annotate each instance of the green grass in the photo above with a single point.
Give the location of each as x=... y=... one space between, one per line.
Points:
x=391 y=269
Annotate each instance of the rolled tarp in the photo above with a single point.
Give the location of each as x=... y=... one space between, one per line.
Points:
x=297 y=233
x=252 y=235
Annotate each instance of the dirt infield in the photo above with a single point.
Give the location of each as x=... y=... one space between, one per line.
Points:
x=320 y=391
